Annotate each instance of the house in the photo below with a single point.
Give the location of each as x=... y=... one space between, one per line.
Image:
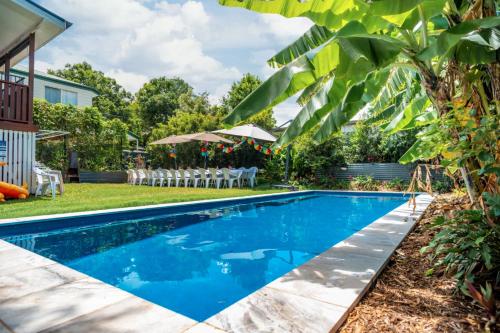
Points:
x=55 y=89
x=25 y=27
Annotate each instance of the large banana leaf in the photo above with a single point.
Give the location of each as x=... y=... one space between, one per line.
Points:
x=352 y=53
x=280 y=86
x=325 y=100
x=332 y=14
x=313 y=38
x=338 y=117
x=466 y=31
x=356 y=97
x=407 y=118
x=329 y=13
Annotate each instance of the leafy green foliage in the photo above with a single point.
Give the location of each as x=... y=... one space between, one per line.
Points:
x=370 y=144
x=112 y=100
x=311 y=160
x=158 y=100
x=98 y=141
x=466 y=247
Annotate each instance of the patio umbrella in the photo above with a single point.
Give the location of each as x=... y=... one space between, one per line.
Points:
x=202 y=136
x=249 y=131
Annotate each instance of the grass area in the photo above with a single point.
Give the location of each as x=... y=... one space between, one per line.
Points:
x=85 y=197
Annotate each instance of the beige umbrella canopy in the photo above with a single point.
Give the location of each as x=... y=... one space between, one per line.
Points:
x=249 y=131
x=203 y=136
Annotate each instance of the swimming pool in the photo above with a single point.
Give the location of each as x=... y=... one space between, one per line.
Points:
x=199 y=259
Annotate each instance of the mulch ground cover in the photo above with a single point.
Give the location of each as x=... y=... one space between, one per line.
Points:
x=404 y=299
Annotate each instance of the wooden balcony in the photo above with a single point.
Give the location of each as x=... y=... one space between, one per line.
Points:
x=16 y=111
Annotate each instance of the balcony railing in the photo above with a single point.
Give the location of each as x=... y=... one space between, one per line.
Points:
x=15 y=103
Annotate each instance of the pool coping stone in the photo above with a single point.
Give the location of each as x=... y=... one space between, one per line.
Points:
x=41 y=295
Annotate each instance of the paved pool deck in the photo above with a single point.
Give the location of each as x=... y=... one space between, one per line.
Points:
x=40 y=295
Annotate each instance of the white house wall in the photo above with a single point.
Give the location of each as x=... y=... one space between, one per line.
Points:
x=84 y=96
x=20 y=157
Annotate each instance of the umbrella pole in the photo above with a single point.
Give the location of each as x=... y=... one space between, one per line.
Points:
x=205 y=162
x=175 y=163
x=287 y=165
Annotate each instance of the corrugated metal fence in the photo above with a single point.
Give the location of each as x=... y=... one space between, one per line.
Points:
x=379 y=171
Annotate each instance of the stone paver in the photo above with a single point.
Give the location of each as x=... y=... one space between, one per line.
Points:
x=270 y=310
x=37 y=279
x=41 y=310
x=132 y=315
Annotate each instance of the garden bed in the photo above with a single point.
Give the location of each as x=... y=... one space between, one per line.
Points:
x=404 y=299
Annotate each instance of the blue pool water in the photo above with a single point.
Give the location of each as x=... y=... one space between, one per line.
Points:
x=199 y=262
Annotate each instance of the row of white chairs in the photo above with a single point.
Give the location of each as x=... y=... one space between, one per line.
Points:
x=210 y=177
x=47 y=179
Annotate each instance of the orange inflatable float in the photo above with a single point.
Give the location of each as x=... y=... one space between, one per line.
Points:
x=9 y=191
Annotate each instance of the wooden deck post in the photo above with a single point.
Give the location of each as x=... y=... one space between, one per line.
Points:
x=31 y=77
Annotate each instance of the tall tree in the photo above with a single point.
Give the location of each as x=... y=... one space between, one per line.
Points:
x=159 y=98
x=238 y=92
x=113 y=100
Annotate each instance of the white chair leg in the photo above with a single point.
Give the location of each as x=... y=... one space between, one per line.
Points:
x=53 y=189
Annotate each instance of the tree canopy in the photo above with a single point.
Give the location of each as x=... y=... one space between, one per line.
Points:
x=159 y=99
x=113 y=100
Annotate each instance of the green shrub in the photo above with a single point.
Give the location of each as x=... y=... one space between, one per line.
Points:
x=397 y=184
x=466 y=247
x=365 y=183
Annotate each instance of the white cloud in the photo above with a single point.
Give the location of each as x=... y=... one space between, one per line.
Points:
x=130 y=81
x=136 y=40
x=131 y=41
x=287 y=28
x=286 y=111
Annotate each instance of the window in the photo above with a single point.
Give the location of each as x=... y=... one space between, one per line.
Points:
x=53 y=95
x=69 y=97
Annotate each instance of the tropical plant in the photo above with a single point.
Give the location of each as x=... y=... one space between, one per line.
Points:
x=466 y=247
x=413 y=62
x=238 y=92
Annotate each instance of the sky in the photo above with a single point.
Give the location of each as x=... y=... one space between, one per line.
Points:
x=208 y=45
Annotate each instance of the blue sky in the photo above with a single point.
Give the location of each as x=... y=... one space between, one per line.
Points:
x=208 y=45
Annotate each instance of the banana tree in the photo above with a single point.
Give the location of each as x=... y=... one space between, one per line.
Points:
x=410 y=63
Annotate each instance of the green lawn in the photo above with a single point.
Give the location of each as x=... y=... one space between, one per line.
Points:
x=85 y=197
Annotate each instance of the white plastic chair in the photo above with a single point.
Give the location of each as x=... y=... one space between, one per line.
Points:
x=184 y=177
x=192 y=178
x=44 y=180
x=203 y=177
x=131 y=177
x=141 y=174
x=252 y=176
x=228 y=178
x=164 y=175
x=214 y=178
x=175 y=177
